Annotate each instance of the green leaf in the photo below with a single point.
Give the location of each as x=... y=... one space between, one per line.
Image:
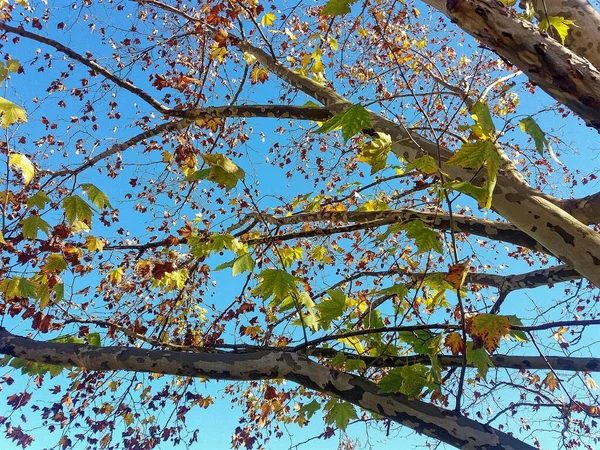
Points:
x=198 y=175
x=480 y=359
x=518 y=335
x=23 y=163
x=223 y=170
x=333 y=307
x=482 y=116
x=530 y=126
x=18 y=287
x=290 y=254
x=355 y=364
x=277 y=283
x=341 y=413
x=425 y=238
x=96 y=196
x=67 y=339
x=39 y=200
x=59 y=291
x=337 y=7
x=408 y=380
x=400 y=290
x=77 y=208
x=559 y=23
x=310 y=409
x=31 y=226
x=55 y=263
x=12 y=65
x=426 y=164
x=351 y=121
x=11 y=113
x=309 y=317
x=244 y=263
x=420 y=340
x=375 y=152
x=466 y=187
x=94 y=339
x=473 y=155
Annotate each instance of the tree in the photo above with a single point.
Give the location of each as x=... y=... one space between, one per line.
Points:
x=179 y=204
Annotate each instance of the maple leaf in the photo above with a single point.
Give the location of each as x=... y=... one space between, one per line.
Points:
x=277 y=283
x=489 y=328
x=341 y=413
x=350 y=121
x=21 y=162
x=11 y=113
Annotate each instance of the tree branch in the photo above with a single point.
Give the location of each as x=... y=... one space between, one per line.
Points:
x=423 y=417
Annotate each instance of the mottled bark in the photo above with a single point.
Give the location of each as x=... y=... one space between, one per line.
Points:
x=569 y=78
x=584 y=37
x=425 y=418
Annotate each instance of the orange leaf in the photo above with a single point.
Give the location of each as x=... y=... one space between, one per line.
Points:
x=457 y=274
x=455 y=343
x=551 y=382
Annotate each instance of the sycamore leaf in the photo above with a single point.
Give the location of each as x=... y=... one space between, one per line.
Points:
x=244 y=263
x=96 y=196
x=39 y=200
x=481 y=114
x=309 y=317
x=77 y=208
x=333 y=307
x=310 y=409
x=480 y=359
x=268 y=20
x=375 y=152
x=399 y=290
x=425 y=238
x=489 y=328
x=351 y=121
x=18 y=287
x=518 y=335
x=341 y=413
x=473 y=155
x=31 y=226
x=12 y=65
x=408 y=380
x=530 y=126
x=93 y=339
x=457 y=274
x=2 y=241
x=466 y=187
x=116 y=275
x=23 y=164
x=426 y=164
x=337 y=7
x=223 y=170
x=290 y=254
x=277 y=283
x=421 y=341
x=319 y=253
x=55 y=262
x=11 y=113
x=559 y=23
x=455 y=343
x=551 y=382
x=94 y=244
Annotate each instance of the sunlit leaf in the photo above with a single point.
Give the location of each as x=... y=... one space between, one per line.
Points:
x=33 y=224
x=375 y=152
x=408 y=380
x=340 y=414
x=337 y=7
x=96 y=196
x=267 y=20
x=23 y=163
x=479 y=359
x=489 y=328
x=351 y=121
x=77 y=208
x=11 y=113
x=559 y=23
x=39 y=200
x=223 y=170
x=425 y=238
x=426 y=164
x=277 y=283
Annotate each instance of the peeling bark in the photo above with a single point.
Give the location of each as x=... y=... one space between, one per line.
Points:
x=422 y=417
x=569 y=78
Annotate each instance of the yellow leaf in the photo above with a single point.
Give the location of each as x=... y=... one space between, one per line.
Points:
x=2 y=241
x=80 y=225
x=167 y=157
x=11 y=113
x=94 y=244
x=250 y=59
x=589 y=381
x=24 y=165
x=116 y=275
x=267 y=20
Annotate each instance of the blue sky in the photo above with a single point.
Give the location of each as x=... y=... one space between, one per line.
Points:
x=218 y=422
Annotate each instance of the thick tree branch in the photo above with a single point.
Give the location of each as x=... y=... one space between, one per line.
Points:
x=564 y=75
x=425 y=418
